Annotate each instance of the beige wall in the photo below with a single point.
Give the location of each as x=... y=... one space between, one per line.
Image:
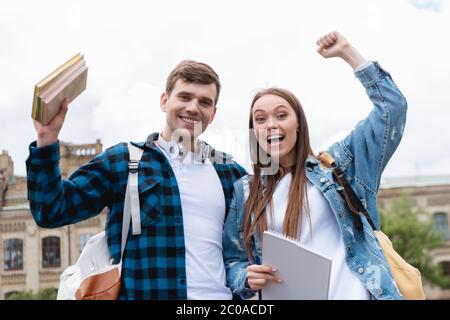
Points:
x=16 y=221
x=19 y=224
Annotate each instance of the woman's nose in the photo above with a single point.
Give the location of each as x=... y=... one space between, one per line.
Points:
x=271 y=123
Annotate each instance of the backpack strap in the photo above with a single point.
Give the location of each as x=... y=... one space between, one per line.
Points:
x=352 y=200
x=135 y=158
x=131 y=208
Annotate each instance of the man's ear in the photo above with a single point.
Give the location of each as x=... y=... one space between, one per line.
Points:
x=163 y=101
x=213 y=115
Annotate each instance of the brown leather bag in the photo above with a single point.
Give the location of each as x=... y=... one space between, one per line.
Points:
x=407 y=277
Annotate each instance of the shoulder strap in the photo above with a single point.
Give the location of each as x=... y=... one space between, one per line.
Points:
x=327 y=160
x=133 y=166
x=352 y=200
x=131 y=208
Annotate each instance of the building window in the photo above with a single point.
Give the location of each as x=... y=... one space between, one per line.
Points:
x=84 y=238
x=12 y=254
x=51 y=253
x=445 y=265
x=441 y=224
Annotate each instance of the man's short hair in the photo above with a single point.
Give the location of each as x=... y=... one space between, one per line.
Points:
x=193 y=71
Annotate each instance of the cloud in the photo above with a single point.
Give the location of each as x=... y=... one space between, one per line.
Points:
x=433 y=5
x=128 y=116
x=131 y=48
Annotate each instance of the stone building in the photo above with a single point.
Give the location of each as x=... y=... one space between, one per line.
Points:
x=432 y=194
x=32 y=257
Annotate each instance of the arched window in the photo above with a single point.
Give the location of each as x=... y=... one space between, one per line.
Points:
x=9 y=294
x=84 y=238
x=441 y=224
x=51 y=252
x=12 y=254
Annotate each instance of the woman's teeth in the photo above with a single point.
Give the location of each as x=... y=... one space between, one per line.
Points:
x=275 y=139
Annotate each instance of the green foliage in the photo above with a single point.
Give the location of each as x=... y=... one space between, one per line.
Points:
x=42 y=294
x=22 y=295
x=413 y=236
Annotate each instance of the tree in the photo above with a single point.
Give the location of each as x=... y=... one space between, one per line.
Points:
x=414 y=238
x=42 y=294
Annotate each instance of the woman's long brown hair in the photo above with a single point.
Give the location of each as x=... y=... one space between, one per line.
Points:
x=259 y=196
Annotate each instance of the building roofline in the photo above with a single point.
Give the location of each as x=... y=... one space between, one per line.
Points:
x=414 y=181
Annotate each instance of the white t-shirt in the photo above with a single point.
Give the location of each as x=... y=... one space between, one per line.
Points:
x=203 y=203
x=326 y=238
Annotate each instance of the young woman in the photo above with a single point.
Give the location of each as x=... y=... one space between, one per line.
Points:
x=301 y=200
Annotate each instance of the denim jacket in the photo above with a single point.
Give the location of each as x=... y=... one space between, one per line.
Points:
x=362 y=155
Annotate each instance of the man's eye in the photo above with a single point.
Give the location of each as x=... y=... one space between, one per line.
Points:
x=184 y=98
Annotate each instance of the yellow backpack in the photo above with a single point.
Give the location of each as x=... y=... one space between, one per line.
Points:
x=407 y=277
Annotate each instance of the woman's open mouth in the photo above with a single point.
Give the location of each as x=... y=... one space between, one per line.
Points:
x=275 y=140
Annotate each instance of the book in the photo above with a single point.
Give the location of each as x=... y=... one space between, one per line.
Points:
x=67 y=81
x=305 y=273
x=48 y=79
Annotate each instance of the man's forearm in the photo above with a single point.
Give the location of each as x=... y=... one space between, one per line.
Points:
x=45 y=141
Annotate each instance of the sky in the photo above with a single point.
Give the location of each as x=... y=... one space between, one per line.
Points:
x=131 y=46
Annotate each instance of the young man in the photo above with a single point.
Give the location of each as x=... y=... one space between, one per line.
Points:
x=185 y=189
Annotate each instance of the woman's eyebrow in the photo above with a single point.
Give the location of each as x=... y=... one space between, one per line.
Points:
x=276 y=108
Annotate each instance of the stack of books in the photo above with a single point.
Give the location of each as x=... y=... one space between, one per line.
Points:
x=67 y=81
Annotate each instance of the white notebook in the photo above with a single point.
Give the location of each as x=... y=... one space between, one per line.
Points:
x=305 y=274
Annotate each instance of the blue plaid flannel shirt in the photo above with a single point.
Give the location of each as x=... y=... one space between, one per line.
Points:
x=154 y=262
